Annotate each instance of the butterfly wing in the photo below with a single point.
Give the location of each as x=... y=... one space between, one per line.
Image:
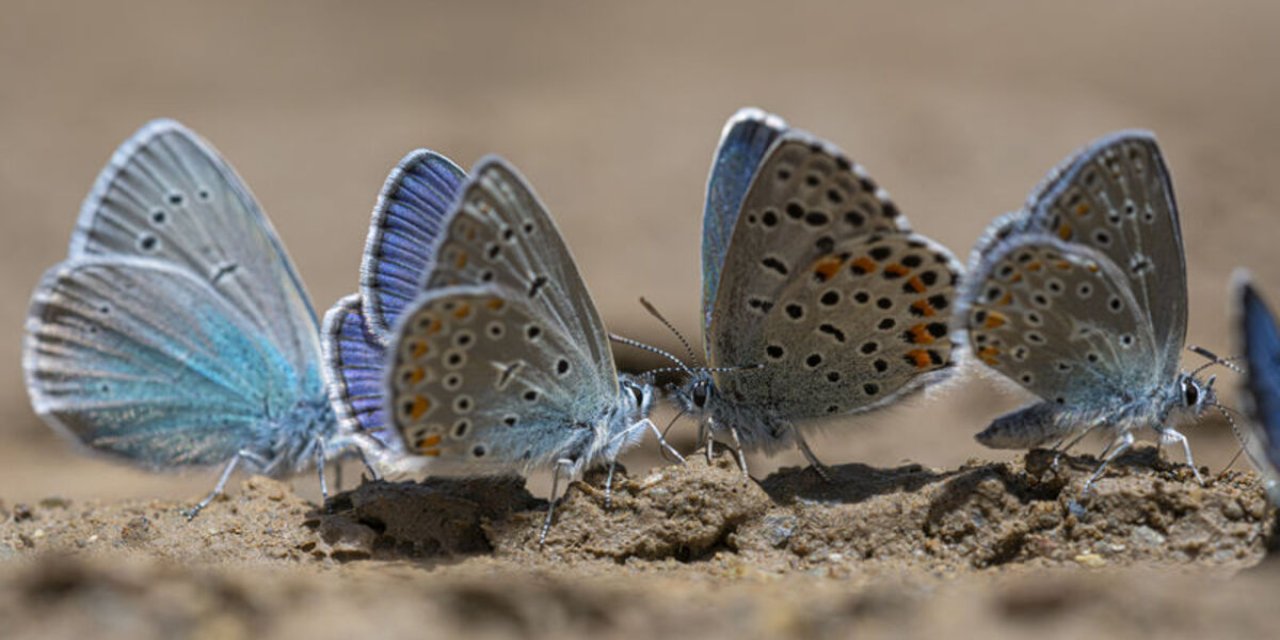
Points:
x=407 y=222
x=167 y=195
x=1115 y=197
x=747 y=136
x=355 y=360
x=501 y=235
x=483 y=380
x=1260 y=342
x=1059 y=319
x=856 y=328
x=145 y=361
x=807 y=210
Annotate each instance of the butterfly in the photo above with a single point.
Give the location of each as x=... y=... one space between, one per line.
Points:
x=1259 y=341
x=177 y=332
x=1081 y=298
x=503 y=364
x=410 y=215
x=818 y=299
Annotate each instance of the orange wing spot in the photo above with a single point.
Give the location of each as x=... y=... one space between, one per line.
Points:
x=1006 y=300
x=897 y=269
x=415 y=375
x=1064 y=265
x=867 y=265
x=920 y=335
x=920 y=358
x=435 y=327
x=1064 y=231
x=420 y=349
x=461 y=261
x=989 y=355
x=995 y=320
x=429 y=442
x=496 y=304
x=463 y=311
x=471 y=233
x=828 y=267
x=1017 y=277
x=923 y=308
x=1034 y=267
x=1082 y=209
x=916 y=285
x=1093 y=267
x=420 y=407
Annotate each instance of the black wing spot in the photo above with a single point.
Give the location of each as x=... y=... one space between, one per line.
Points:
x=538 y=283
x=887 y=324
x=769 y=218
x=816 y=219
x=871 y=388
x=832 y=331
x=854 y=218
x=224 y=271
x=795 y=311
x=562 y=367
x=774 y=351
x=795 y=211
x=830 y=298
x=881 y=365
x=813 y=360
x=775 y=265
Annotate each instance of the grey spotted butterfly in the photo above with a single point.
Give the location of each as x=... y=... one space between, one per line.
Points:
x=1081 y=298
x=503 y=363
x=818 y=299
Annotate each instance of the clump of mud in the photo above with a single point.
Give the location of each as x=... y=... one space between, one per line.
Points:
x=989 y=547
x=981 y=515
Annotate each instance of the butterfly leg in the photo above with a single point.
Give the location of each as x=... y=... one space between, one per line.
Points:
x=822 y=470
x=217 y=489
x=1170 y=436
x=608 y=484
x=562 y=465
x=1114 y=450
x=662 y=441
x=1061 y=449
x=324 y=486
x=737 y=447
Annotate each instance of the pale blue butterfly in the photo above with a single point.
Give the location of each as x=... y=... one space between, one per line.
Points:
x=410 y=214
x=818 y=300
x=1259 y=340
x=1081 y=298
x=177 y=332
x=503 y=364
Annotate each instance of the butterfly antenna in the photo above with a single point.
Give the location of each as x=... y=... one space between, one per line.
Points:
x=672 y=424
x=653 y=311
x=651 y=349
x=1213 y=359
x=1240 y=437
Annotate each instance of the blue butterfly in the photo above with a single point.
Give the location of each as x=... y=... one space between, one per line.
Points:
x=503 y=364
x=818 y=299
x=410 y=215
x=1259 y=341
x=1081 y=298
x=177 y=332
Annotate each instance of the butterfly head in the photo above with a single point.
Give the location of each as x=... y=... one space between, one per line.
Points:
x=1195 y=394
x=694 y=396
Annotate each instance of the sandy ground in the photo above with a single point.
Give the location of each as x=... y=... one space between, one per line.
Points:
x=612 y=110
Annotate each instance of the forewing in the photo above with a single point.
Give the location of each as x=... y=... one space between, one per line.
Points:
x=355 y=361
x=143 y=361
x=854 y=329
x=746 y=137
x=166 y=195
x=502 y=236
x=1261 y=391
x=806 y=199
x=1115 y=197
x=481 y=380
x=407 y=222
x=1059 y=319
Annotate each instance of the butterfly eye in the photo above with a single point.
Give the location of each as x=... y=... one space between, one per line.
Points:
x=700 y=396
x=1190 y=393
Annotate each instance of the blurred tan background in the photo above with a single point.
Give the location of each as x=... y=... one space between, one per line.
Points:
x=612 y=110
